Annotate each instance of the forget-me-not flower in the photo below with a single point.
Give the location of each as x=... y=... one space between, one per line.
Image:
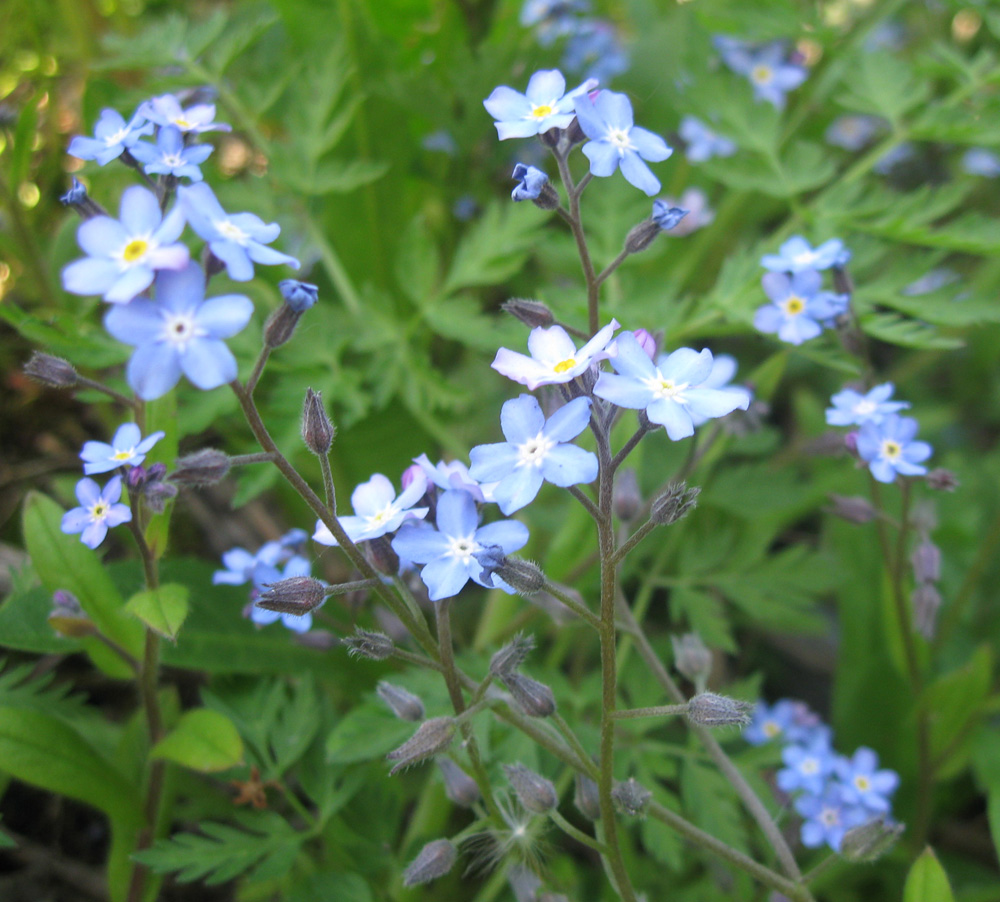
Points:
x=888 y=447
x=699 y=215
x=980 y=161
x=671 y=391
x=851 y=408
x=595 y=49
x=531 y=181
x=797 y=255
x=377 y=510
x=179 y=332
x=99 y=511
x=448 y=552
x=615 y=141
x=240 y=564
x=854 y=130
x=553 y=18
x=238 y=239
x=112 y=137
x=827 y=818
x=452 y=474
x=807 y=767
x=788 y=720
x=770 y=74
x=166 y=110
x=554 y=358
x=863 y=783
x=723 y=370
x=123 y=254
x=544 y=105
x=702 y=142
x=127 y=448
x=536 y=451
x=798 y=309
x=170 y=156
x=265 y=574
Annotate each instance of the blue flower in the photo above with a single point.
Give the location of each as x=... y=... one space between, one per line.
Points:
x=530 y=182
x=170 y=156
x=554 y=358
x=238 y=240
x=807 y=767
x=595 y=49
x=827 y=818
x=166 y=110
x=790 y=720
x=377 y=510
x=265 y=574
x=99 y=511
x=722 y=373
x=979 y=161
x=448 y=552
x=864 y=784
x=798 y=309
x=850 y=408
x=179 y=332
x=554 y=18
x=544 y=105
x=888 y=447
x=240 y=563
x=112 y=136
x=702 y=142
x=797 y=254
x=671 y=391
x=453 y=474
x=854 y=131
x=893 y=157
x=666 y=216
x=127 y=448
x=123 y=254
x=699 y=215
x=766 y=67
x=300 y=296
x=616 y=142
x=535 y=452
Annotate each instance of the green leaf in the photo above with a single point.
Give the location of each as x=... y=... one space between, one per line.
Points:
x=329 y=176
x=331 y=886
x=708 y=797
x=882 y=84
x=417 y=263
x=909 y=333
x=203 y=740
x=927 y=881
x=162 y=609
x=364 y=735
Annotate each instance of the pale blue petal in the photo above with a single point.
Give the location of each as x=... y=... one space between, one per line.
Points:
x=711 y=402
x=516 y=128
x=444 y=577
x=799 y=329
x=650 y=146
x=75 y=520
x=153 y=370
x=568 y=421
x=588 y=117
x=882 y=470
x=101 y=236
x=672 y=416
x=255 y=227
x=297 y=623
x=768 y=318
x=268 y=256
x=623 y=391
x=517 y=489
x=127 y=436
x=137 y=323
x=89 y=276
x=506 y=104
x=180 y=289
x=604 y=157
x=130 y=283
x=567 y=465
x=225 y=315
x=491 y=463
x=117 y=515
x=238 y=264
x=510 y=535
x=140 y=211
x=632 y=360
x=687 y=365
x=372 y=496
x=806 y=283
x=456 y=513
x=94 y=534
x=615 y=110
x=639 y=174
x=521 y=419
x=420 y=544
x=208 y=363
x=545 y=86
x=172 y=226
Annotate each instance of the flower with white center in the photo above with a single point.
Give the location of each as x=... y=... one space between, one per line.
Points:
x=851 y=408
x=554 y=358
x=170 y=155
x=702 y=142
x=827 y=818
x=797 y=255
x=806 y=766
x=889 y=449
x=377 y=510
x=798 y=309
x=536 y=451
x=99 y=511
x=452 y=474
x=166 y=110
x=544 y=105
x=862 y=783
x=112 y=137
x=127 y=448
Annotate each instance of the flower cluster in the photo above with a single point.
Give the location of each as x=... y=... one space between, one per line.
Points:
x=593 y=46
x=833 y=792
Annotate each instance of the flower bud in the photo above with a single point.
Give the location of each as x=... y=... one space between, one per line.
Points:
x=511 y=656
x=852 y=508
x=156 y=493
x=432 y=738
x=692 y=658
x=68 y=618
x=631 y=798
x=404 y=704
x=51 y=371
x=534 y=698
x=300 y=296
x=522 y=576
x=870 y=840
x=534 y=185
x=926 y=560
x=552 y=137
x=587 y=797
x=925 y=600
x=641 y=236
x=434 y=860
x=666 y=216
x=626 y=498
x=317 y=429
x=296 y=595
x=382 y=555
x=204 y=467
x=458 y=785
x=533 y=791
x=280 y=325
x=674 y=503
x=369 y=644
x=711 y=710
x=647 y=341
x=532 y=313
x=942 y=480
x=78 y=198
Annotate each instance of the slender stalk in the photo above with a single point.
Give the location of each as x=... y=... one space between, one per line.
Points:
x=328 y=488
x=613 y=265
x=576 y=833
x=84 y=382
x=654 y=711
x=258 y=369
x=577 y=608
x=634 y=540
x=588 y=505
x=576 y=226
x=629 y=446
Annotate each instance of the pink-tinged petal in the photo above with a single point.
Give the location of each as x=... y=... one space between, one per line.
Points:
x=172 y=256
x=224 y=316
x=101 y=236
x=153 y=370
x=593 y=348
x=550 y=343
x=130 y=283
x=521 y=368
x=414 y=490
x=208 y=363
x=90 y=276
x=140 y=211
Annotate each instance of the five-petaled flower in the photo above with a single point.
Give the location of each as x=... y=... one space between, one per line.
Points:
x=112 y=137
x=166 y=110
x=702 y=142
x=170 y=156
x=536 y=450
x=123 y=254
x=554 y=358
x=888 y=447
x=99 y=511
x=863 y=783
x=798 y=309
x=377 y=510
x=797 y=255
x=544 y=105
x=127 y=448
x=851 y=408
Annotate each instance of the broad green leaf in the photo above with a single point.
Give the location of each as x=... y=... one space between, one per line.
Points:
x=927 y=881
x=203 y=740
x=162 y=609
x=332 y=886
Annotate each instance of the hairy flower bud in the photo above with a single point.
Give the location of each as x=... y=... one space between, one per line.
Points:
x=692 y=658
x=926 y=600
x=534 y=698
x=434 y=860
x=404 y=704
x=78 y=198
x=369 y=644
x=511 y=656
x=926 y=560
x=432 y=738
x=711 y=710
x=942 y=480
x=382 y=555
x=524 y=577
x=280 y=325
x=300 y=296
x=296 y=595
x=458 y=785
x=852 y=508
x=676 y=502
x=204 y=467
x=641 y=236
x=587 y=797
x=156 y=493
x=626 y=497
x=317 y=429
x=631 y=798
x=533 y=791
x=68 y=618
x=51 y=371
x=870 y=840
x=532 y=313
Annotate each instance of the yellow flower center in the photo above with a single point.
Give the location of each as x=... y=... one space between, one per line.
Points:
x=182 y=123
x=563 y=365
x=135 y=250
x=99 y=510
x=771 y=729
x=891 y=449
x=794 y=305
x=863 y=783
x=762 y=74
x=123 y=455
x=542 y=110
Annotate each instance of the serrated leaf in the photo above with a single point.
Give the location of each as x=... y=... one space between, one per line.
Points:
x=909 y=333
x=162 y=609
x=707 y=796
x=203 y=740
x=883 y=84
x=329 y=176
x=365 y=734
x=927 y=880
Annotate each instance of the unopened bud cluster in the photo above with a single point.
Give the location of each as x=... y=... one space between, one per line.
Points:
x=370 y=644
x=692 y=659
x=403 y=703
x=204 y=467
x=317 y=429
x=631 y=798
x=534 y=698
x=676 y=502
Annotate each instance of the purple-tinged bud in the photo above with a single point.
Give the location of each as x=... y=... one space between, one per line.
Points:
x=942 y=480
x=434 y=860
x=78 y=198
x=641 y=236
x=300 y=296
x=926 y=560
x=926 y=601
x=870 y=840
x=552 y=137
x=51 y=371
x=433 y=737
x=156 y=493
x=533 y=791
x=692 y=658
x=647 y=341
x=458 y=785
x=511 y=656
x=534 y=185
x=711 y=710
x=68 y=618
x=135 y=479
x=676 y=502
x=280 y=325
x=631 y=798
x=204 y=467
x=667 y=216
x=851 y=443
x=157 y=472
x=532 y=313
x=412 y=472
x=317 y=430
x=574 y=133
x=587 y=797
x=852 y=508
x=404 y=704
x=626 y=499
x=534 y=698
x=369 y=644
x=296 y=595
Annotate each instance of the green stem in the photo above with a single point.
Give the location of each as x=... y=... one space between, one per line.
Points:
x=577 y=608
x=576 y=833
x=573 y=191
x=654 y=711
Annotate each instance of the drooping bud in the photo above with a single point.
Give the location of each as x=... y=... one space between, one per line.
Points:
x=587 y=797
x=852 y=508
x=851 y=443
x=711 y=710
x=532 y=313
x=404 y=704
x=296 y=595
x=432 y=738
x=280 y=325
x=149 y=484
x=926 y=560
x=942 y=480
x=522 y=576
x=626 y=498
x=870 y=840
x=511 y=656
x=51 y=371
x=692 y=658
x=631 y=798
x=926 y=600
x=533 y=791
x=317 y=429
x=458 y=785
x=369 y=644
x=68 y=618
x=534 y=698
x=676 y=502
x=204 y=467
x=434 y=860
x=78 y=198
